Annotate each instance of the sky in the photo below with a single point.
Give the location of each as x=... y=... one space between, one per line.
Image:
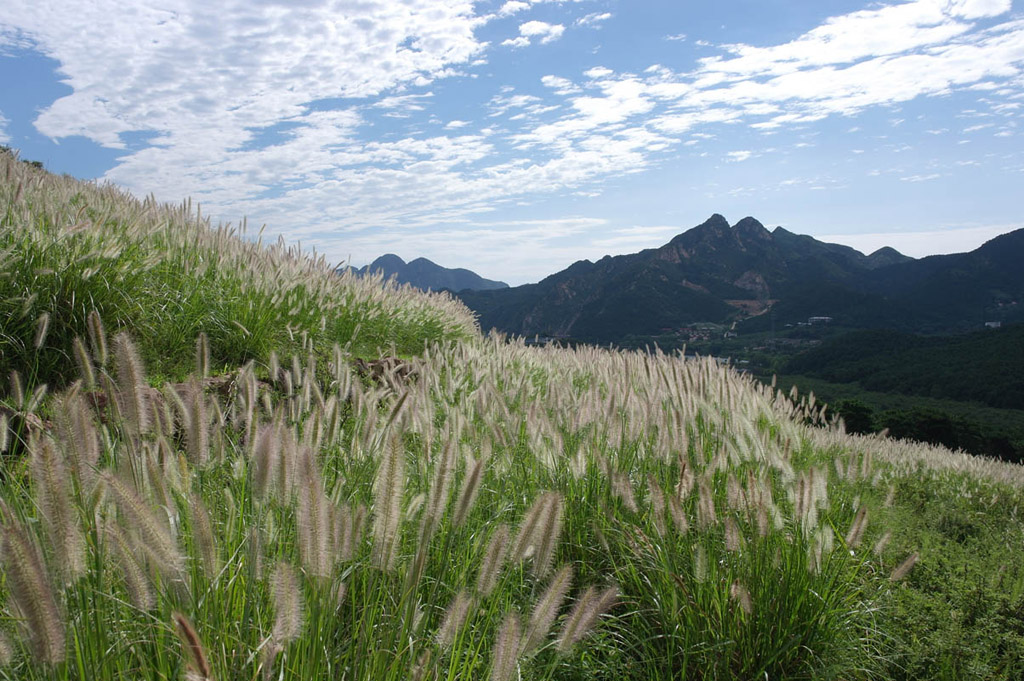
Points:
x=514 y=137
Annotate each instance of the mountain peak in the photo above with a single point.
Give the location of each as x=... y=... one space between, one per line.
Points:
x=751 y=227
x=387 y=262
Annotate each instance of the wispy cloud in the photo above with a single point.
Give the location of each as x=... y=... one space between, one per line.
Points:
x=4 y=137
x=541 y=30
x=296 y=117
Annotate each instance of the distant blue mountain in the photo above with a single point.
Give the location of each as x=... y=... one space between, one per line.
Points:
x=429 y=276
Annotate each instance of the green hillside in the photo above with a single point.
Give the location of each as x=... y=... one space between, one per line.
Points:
x=206 y=476
x=984 y=367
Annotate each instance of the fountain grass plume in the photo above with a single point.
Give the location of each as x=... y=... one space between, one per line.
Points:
x=198 y=664
x=494 y=559
x=132 y=383
x=30 y=588
x=389 y=486
x=53 y=496
x=546 y=610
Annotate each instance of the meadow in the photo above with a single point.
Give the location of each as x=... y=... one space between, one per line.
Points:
x=199 y=481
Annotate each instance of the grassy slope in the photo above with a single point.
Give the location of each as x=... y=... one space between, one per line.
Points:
x=312 y=525
x=68 y=248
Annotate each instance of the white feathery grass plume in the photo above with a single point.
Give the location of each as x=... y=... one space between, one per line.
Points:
x=313 y=517
x=5 y=433
x=903 y=568
x=623 y=489
x=505 y=652
x=78 y=438
x=42 y=326
x=590 y=606
x=266 y=458
x=470 y=488
x=97 y=338
x=739 y=594
x=856 y=532
x=203 y=537
x=526 y=539
x=657 y=498
x=197 y=435
x=706 y=517
x=288 y=604
x=132 y=383
x=137 y=583
x=17 y=390
x=546 y=610
x=202 y=355
x=437 y=500
x=154 y=534
x=733 y=538
x=389 y=486
x=30 y=588
x=678 y=513
x=53 y=496
x=882 y=542
x=700 y=564
x=454 y=617
x=494 y=558
x=548 y=533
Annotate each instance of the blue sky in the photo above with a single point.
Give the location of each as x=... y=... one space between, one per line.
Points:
x=515 y=137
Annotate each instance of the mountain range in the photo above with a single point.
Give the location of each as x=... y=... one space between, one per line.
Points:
x=751 y=278
x=427 y=275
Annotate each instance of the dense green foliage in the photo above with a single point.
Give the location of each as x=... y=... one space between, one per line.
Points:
x=985 y=366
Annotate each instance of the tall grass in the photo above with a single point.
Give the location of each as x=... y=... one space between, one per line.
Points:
x=503 y=511
x=68 y=248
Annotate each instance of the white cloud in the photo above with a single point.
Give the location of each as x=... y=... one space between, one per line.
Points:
x=4 y=137
x=595 y=19
x=677 y=37
x=213 y=83
x=561 y=86
x=519 y=41
x=512 y=7
x=539 y=29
